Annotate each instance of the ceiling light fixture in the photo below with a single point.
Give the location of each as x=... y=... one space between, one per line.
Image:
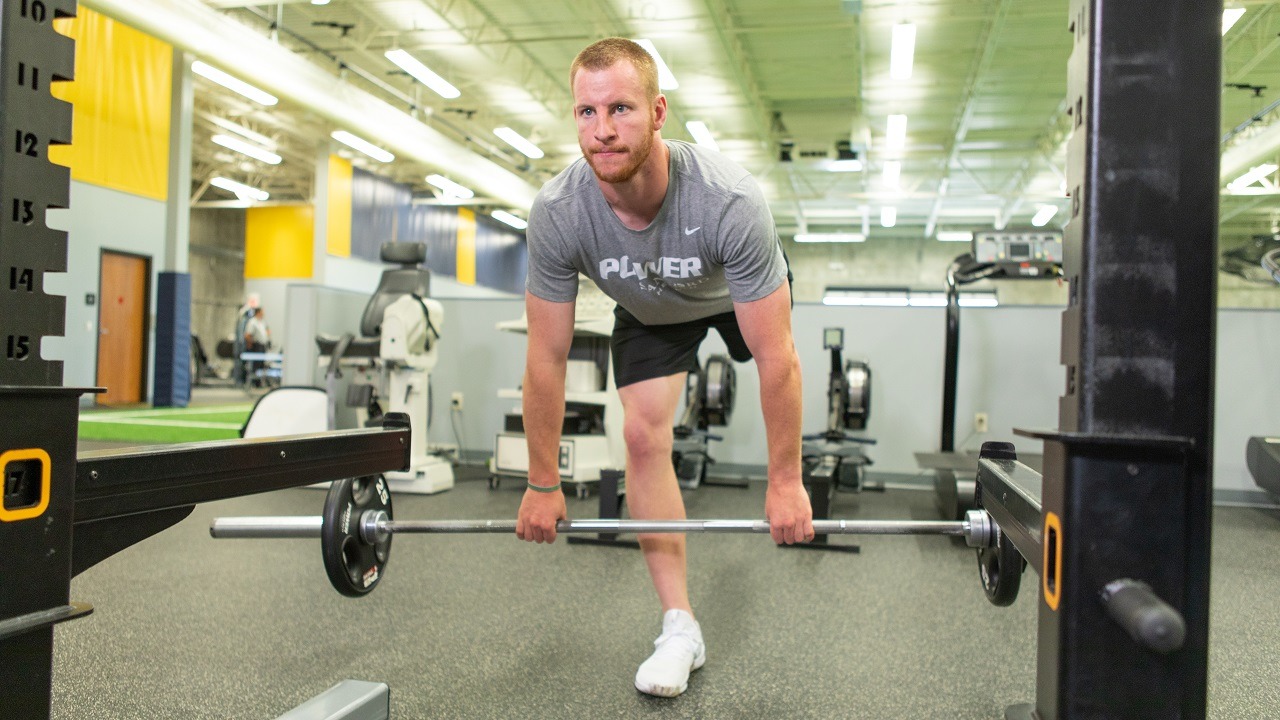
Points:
x=364 y=146
x=505 y=217
x=902 y=52
x=242 y=131
x=896 y=133
x=450 y=188
x=830 y=237
x=1043 y=215
x=892 y=173
x=245 y=148
x=519 y=142
x=1231 y=16
x=888 y=216
x=242 y=191
x=1251 y=177
x=209 y=72
x=954 y=236
x=666 y=80
x=423 y=74
x=701 y=134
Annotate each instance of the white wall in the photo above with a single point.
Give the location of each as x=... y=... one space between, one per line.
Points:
x=1009 y=369
x=100 y=219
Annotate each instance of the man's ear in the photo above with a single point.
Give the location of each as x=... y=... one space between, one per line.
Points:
x=659 y=112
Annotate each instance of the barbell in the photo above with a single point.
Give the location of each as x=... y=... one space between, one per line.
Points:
x=356 y=528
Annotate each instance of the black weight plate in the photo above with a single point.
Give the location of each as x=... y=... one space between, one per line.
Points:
x=353 y=565
x=1000 y=569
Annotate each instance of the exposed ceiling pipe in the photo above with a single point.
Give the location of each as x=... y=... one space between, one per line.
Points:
x=1258 y=149
x=214 y=38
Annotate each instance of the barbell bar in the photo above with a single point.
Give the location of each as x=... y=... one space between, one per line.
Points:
x=357 y=526
x=373 y=524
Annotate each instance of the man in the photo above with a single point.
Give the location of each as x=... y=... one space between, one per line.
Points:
x=682 y=239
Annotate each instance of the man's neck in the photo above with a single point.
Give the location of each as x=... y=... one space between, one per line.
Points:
x=637 y=201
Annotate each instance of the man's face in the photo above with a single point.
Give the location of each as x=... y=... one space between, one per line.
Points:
x=616 y=123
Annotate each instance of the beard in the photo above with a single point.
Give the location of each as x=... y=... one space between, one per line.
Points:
x=636 y=158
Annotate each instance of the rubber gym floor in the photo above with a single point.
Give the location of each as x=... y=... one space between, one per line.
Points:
x=483 y=626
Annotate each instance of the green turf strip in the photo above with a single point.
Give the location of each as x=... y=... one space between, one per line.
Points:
x=162 y=426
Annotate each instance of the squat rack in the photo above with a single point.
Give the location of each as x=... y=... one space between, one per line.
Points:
x=1131 y=461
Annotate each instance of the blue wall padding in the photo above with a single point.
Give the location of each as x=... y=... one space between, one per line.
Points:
x=382 y=210
x=379 y=213
x=173 y=340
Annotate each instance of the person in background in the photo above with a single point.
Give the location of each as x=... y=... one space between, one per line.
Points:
x=257 y=338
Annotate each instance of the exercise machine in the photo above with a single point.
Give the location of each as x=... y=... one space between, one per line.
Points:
x=708 y=402
x=389 y=364
x=835 y=459
x=995 y=255
x=591 y=437
x=1262 y=454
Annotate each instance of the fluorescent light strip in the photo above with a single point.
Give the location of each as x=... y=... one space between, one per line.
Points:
x=242 y=131
x=240 y=189
x=888 y=216
x=1231 y=16
x=212 y=73
x=1044 y=215
x=666 y=80
x=423 y=74
x=902 y=52
x=245 y=148
x=955 y=236
x=450 y=188
x=519 y=142
x=701 y=134
x=830 y=237
x=362 y=145
x=505 y=217
x=896 y=132
x=892 y=173
x=1253 y=176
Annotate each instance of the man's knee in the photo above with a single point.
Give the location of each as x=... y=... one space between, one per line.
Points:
x=647 y=438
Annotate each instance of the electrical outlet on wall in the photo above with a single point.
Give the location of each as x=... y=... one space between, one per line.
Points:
x=455 y=400
x=980 y=422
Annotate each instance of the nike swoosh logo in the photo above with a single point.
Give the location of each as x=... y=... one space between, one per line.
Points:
x=690 y=231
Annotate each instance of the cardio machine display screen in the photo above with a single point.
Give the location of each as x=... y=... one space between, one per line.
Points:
x=1019 y=251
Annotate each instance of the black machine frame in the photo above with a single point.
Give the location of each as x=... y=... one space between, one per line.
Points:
x=1126 y=492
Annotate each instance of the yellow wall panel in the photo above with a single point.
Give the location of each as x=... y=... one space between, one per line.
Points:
x=466 y=268
x=338 y=222
x=121 y=94
x=278 y=241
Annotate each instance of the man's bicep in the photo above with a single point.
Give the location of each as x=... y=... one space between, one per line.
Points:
x=550 y=327
x=766 y=324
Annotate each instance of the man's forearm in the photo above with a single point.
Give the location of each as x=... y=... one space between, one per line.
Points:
x=782 y=405
x=543 y=416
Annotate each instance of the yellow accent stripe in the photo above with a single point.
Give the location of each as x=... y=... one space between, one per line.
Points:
x=466 y=262
x=278 y=241
x=7 y=515
x=1051 y=567
x=338 y=219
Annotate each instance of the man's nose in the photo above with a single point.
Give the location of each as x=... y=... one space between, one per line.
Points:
x=604 y=128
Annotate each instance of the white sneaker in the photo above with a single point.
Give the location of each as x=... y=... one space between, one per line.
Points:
x=678 y=651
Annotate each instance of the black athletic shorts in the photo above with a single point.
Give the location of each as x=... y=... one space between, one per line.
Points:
x=644 y=352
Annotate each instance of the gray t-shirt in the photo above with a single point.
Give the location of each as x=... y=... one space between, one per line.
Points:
x=712 y=243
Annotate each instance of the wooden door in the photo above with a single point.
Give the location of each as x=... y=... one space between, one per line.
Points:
x=123 y=298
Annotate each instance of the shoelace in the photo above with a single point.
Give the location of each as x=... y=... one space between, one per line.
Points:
x=692 y=640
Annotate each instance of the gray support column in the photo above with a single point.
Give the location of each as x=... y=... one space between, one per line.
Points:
x=177 y=226
x=320 y=203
